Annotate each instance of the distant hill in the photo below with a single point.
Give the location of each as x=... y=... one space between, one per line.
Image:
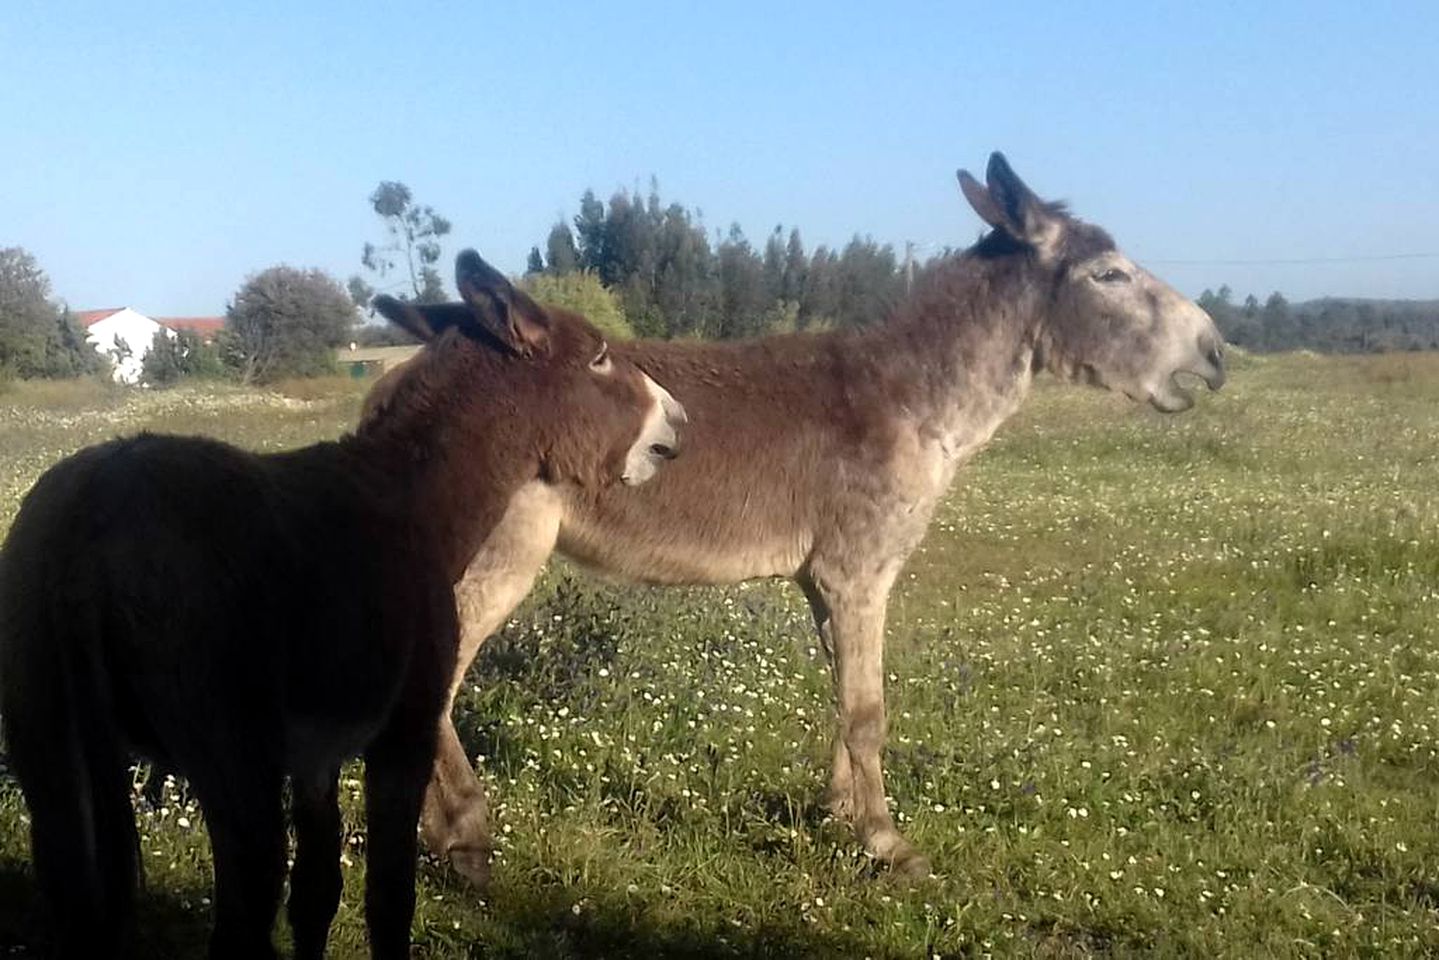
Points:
x=1329 y=324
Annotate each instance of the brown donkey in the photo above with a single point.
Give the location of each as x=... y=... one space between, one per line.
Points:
x=244 y=618
x=821 y=457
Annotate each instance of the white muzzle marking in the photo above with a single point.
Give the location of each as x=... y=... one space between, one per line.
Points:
x=659 y=436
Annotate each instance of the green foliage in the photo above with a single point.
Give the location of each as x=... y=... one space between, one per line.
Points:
x=674 y=282
x=743 y=298
x=286 y=322
x=561 y=255
x=37 y=339
x=583 y=293
x=178 y=355
x=1328 y=325
x=411 y=248
x=361 y=293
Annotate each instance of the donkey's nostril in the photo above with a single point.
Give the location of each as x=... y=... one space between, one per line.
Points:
x=665 y=450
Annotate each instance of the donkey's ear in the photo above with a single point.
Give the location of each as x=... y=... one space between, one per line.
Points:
x=983 y=204
x=425 y=321
x=1026 y=216
x=508 y=314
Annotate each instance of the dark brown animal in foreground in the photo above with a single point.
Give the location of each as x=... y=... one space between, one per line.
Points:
x=820 y=458
x=244 y=618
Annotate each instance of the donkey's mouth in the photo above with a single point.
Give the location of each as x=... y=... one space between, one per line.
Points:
x=1176 y=394
x=1172 y=396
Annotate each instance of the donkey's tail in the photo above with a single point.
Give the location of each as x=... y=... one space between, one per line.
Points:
x=65 y=747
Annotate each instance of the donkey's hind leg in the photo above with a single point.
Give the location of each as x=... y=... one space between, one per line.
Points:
x=83 y=844
x=246 y=817
x=850 y=615
x=65 y=748
x=315 y=881
x=455 y=823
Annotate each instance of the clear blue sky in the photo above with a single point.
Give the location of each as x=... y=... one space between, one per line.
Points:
x=154 y=154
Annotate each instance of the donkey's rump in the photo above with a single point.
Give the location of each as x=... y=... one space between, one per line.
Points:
x=200 y=560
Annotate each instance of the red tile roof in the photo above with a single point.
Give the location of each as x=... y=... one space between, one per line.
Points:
x=88 y=318
x=205 y=326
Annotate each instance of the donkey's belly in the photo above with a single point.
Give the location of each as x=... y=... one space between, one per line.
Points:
x=313 y=746
x=678 y=552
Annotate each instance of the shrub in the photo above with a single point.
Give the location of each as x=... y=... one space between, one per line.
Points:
x=583 y=293
x=286 y=322
x=178 y=355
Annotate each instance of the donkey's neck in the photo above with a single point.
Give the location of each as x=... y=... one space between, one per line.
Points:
x=452 y=485
x=968 y=335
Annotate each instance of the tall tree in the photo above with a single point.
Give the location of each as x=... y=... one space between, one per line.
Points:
x=869 y=283
x=286 y=322
x=412 y=245
x=561 y=255
x=744 y=301
x=360 y=292
x=686 y=286
x=819 y=304
x=590 y=233
x=37 y=338
x=774 y=259
x=535 y=263
x=1274 y=320
x=795 y=268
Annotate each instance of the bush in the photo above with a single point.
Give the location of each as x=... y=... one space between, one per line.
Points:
x=179 y=355
x=583 y=293
x=286 y=322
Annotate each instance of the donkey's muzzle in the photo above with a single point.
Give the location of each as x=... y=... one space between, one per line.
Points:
x=669 y=446
x=1215 y=376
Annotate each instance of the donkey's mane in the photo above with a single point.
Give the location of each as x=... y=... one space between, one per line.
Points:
x=419 y=387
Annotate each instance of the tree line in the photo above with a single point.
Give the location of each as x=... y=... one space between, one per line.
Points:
x=1327 y=325
x=674 y=278
x=636 y=265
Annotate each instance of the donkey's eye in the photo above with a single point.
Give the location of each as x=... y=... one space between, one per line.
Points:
x=601 y=362
x=1112 y=275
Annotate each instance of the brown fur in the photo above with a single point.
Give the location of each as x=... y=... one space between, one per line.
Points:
x=820 y=458
x=244 y=618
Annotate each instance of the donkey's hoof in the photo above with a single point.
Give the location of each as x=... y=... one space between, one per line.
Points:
x=839 y=805
x=472 y=863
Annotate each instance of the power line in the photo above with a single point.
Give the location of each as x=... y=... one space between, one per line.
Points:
x=1298 y=260
x=1231 y=262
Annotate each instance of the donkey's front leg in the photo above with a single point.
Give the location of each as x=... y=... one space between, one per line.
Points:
x=395 y=773
x=455 y=823
x=315 y=879
x=853 y=633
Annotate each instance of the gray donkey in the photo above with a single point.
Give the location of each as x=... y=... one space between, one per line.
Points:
x=820 y=457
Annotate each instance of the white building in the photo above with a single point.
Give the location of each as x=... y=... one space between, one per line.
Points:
x=124 y=335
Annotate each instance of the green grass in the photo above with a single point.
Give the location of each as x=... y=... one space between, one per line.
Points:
x=1158 y=687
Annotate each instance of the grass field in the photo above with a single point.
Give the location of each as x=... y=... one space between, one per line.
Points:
x=1159 y=687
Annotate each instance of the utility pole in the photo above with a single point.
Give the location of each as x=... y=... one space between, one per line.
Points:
x=908 y=265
